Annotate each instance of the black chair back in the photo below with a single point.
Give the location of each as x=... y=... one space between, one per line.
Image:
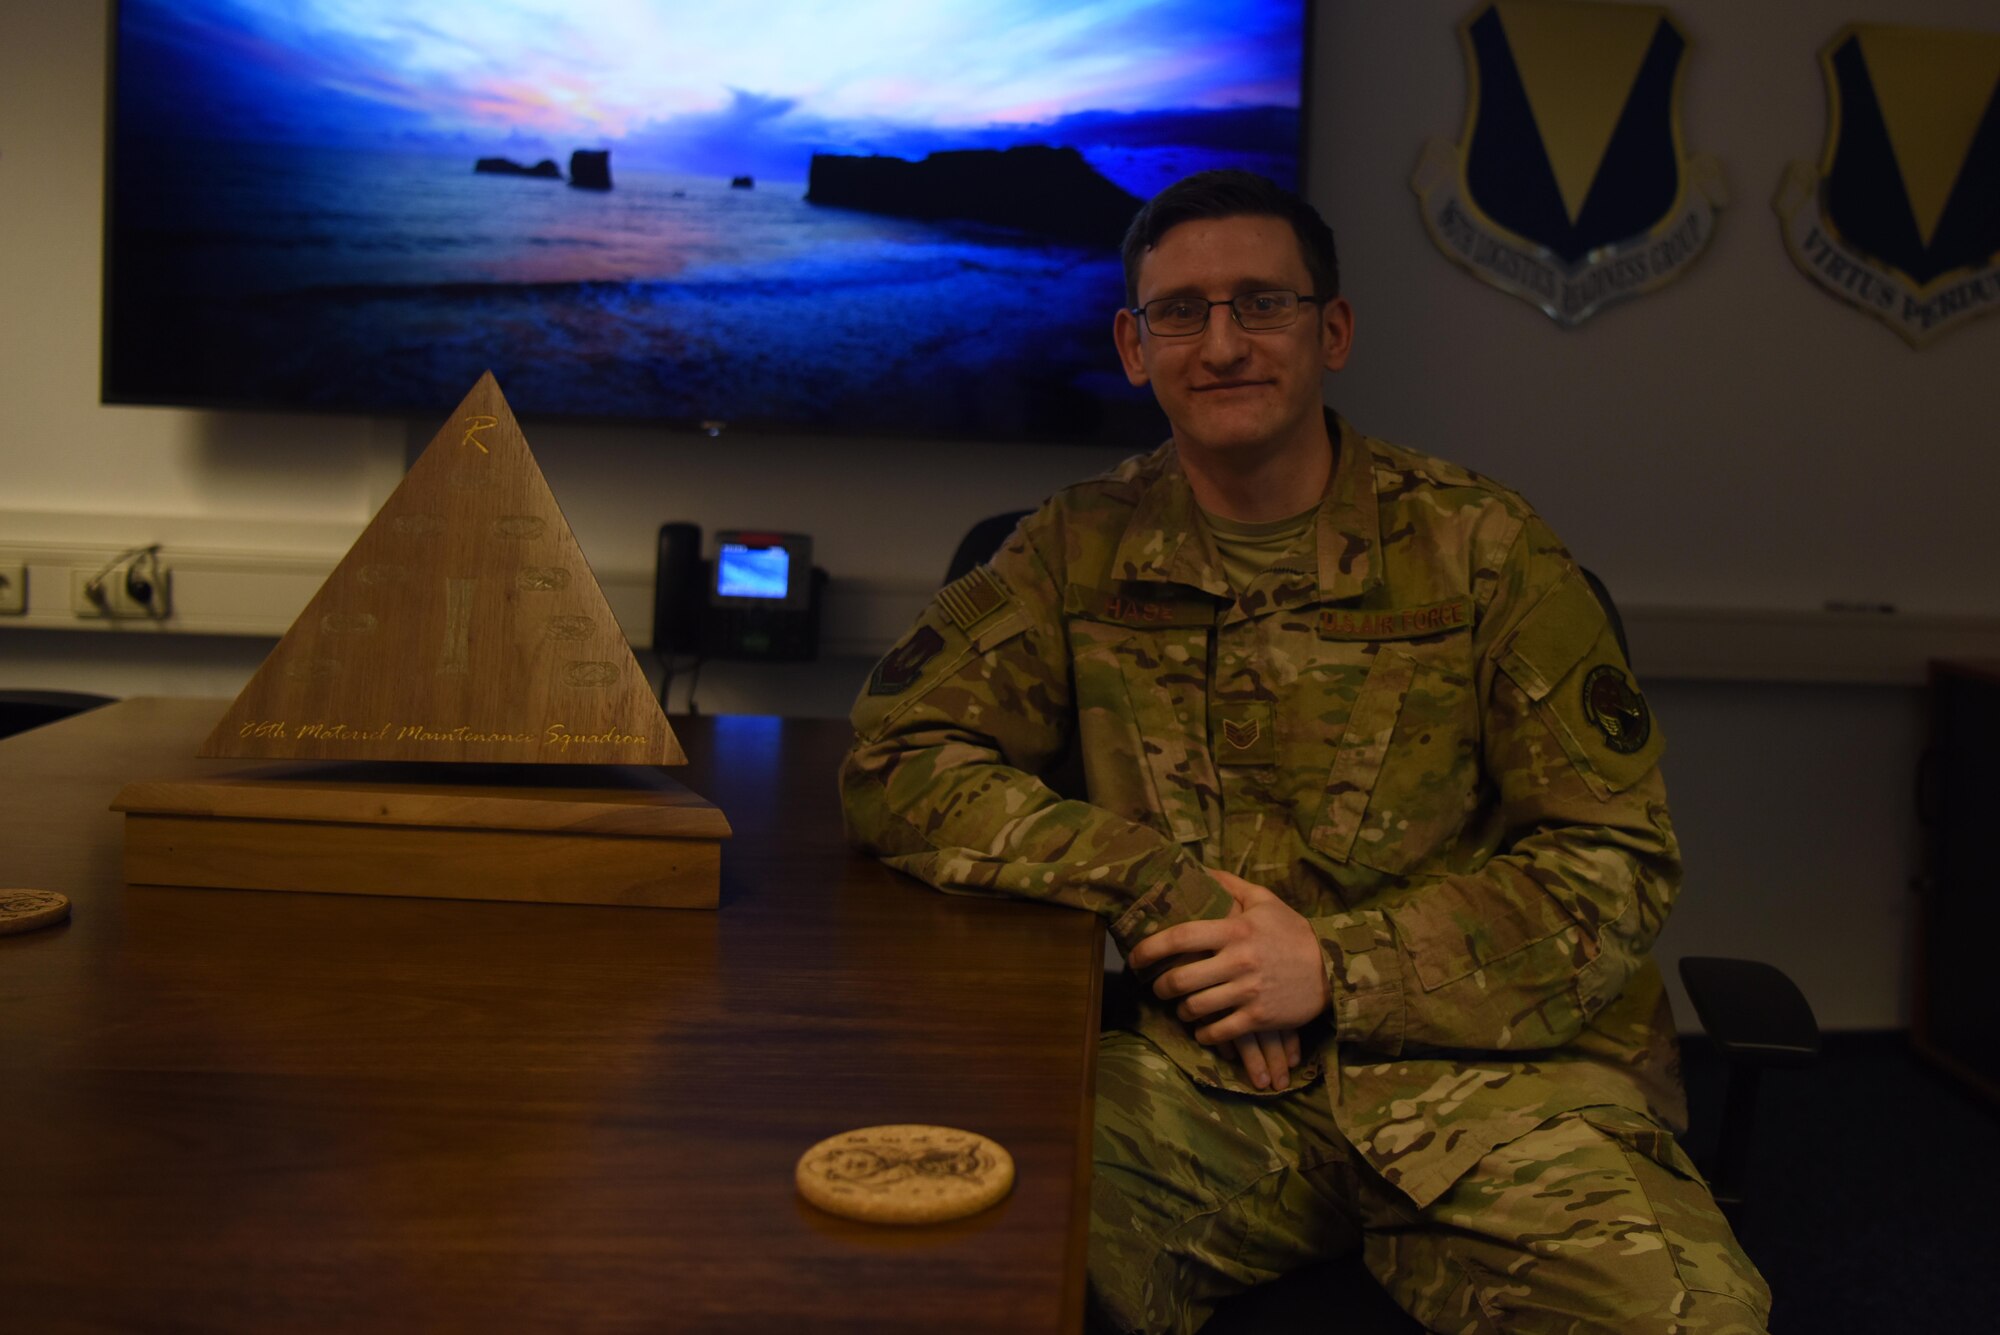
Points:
x=1610 y=611
x=981 y=541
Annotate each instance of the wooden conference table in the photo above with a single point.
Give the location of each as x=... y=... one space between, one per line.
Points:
x=227 y=1110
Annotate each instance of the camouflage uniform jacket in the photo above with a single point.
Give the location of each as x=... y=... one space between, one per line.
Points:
x=1417 y=729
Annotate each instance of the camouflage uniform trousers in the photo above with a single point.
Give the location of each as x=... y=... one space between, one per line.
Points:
x=1577 y=1226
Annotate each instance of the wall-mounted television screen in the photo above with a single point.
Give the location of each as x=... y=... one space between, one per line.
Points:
x=847 y=216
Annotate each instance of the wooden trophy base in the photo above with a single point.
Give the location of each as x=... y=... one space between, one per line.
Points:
x=598 y=834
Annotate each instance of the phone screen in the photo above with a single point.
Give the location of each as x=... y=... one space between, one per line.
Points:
x=752 y=572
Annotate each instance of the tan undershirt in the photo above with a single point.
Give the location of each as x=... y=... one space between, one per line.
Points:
x=1249 y=549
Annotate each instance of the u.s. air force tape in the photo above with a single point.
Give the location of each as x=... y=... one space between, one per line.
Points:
x=1401 y=623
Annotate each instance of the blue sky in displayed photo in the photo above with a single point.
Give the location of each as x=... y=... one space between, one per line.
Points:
x=704 y=86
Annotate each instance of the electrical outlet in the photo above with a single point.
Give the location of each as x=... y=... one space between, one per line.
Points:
x=115 y=600
x=13 y=589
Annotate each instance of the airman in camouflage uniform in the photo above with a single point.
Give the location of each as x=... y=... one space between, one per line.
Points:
x=1415 y=731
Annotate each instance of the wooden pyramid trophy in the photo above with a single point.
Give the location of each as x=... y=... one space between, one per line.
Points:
x=463 y=627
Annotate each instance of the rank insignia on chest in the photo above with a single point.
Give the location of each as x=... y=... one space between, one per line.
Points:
x=1241 y=733
x=1614 y=705
x=905 y=663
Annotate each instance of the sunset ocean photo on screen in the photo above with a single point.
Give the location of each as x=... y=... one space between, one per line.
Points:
x=362 y=206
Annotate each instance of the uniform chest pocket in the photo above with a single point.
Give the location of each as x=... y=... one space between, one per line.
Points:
x=1141 y=707
x=1404 y=774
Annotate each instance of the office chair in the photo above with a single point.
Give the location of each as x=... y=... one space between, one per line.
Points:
x=22 y=710
x=1755 y=1015
x=981 y=541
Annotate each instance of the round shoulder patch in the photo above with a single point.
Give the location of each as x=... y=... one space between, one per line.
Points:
x=1614 y=704
x=25 y=910
x=905 y=1174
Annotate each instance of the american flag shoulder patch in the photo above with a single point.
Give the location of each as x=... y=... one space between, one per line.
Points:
x=972 y=597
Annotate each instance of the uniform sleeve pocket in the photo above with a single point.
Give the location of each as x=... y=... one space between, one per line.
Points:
x=1553 y=637
x=935 y=652
x=1566 y=660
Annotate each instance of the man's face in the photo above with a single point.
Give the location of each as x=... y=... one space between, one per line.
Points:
x=1228 y=388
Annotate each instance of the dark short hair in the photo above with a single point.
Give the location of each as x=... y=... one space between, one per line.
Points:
x=1231 y=194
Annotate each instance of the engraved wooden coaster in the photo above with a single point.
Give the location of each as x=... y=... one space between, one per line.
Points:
x=25 y=910
x=905 y=1174
x=463 y=625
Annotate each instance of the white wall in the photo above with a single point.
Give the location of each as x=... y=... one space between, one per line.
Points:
x=1736 y=440
x=1796 y=813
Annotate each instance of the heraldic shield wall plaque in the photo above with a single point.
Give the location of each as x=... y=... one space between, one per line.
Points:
x=1571 y=188
x=1902 y=215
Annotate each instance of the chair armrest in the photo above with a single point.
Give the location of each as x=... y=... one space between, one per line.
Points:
x=1752 y=1011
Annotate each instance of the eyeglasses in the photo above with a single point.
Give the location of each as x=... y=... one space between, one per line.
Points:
x=1178 y=317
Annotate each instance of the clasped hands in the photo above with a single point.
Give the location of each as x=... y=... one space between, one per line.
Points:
x=1252 y=978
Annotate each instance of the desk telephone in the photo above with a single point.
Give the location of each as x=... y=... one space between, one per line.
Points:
x=759 y=598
